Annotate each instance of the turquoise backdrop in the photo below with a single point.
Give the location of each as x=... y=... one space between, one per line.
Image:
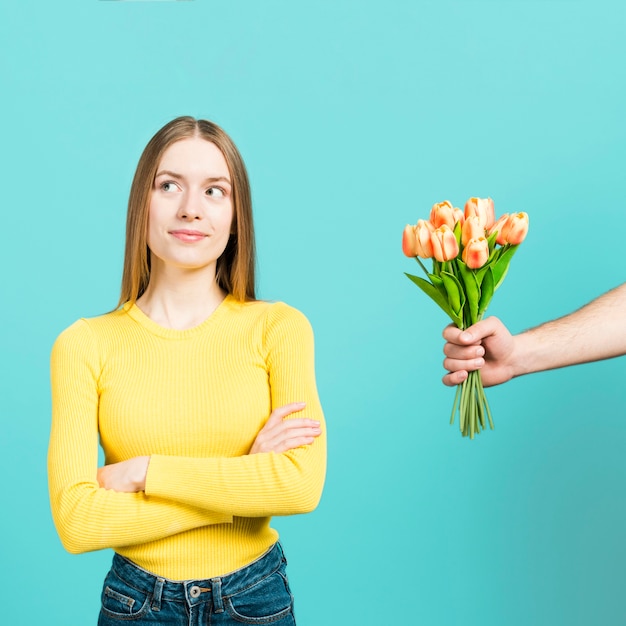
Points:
x=354 y=117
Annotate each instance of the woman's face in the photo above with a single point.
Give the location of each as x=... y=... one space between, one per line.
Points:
x=191 y=208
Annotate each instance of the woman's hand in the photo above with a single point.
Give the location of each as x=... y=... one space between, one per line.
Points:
x=127 y=476
x=280 y=434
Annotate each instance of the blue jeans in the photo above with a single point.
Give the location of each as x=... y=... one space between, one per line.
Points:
x=256 y=594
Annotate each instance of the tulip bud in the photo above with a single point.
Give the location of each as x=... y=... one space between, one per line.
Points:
x=483 y=207
x=459 y=216
x=472 y=229
x=499 y=226
x=516 y=228
x=424 y=246
x=476 y=253
x=409 y=246
x=443 y=213
x=445 y=245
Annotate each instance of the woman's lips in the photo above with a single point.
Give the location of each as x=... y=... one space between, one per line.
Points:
x=188 y=236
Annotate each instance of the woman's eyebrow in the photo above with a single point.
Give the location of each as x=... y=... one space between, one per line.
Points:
x=216 y=179
x=210 y=179
x=168 y=173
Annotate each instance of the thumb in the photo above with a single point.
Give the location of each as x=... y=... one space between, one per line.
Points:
x=481 y=330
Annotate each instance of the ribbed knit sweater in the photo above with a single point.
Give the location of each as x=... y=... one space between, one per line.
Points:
x=194 y=401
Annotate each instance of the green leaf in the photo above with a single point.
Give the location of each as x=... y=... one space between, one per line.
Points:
x=487 y=289
x=501 y=266
x=472 y=290
x=438 y=283
x=456 y=294
x=480 y=273
x=457 y=232
x=433 y=293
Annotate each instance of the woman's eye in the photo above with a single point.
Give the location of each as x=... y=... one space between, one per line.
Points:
x=215 y=192
x=169 y=186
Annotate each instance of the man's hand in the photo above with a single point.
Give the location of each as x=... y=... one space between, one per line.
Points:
x=487 y=346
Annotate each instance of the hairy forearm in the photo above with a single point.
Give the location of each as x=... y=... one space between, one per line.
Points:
x=594 y=332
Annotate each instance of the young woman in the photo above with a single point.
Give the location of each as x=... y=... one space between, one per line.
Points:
x=203 y=399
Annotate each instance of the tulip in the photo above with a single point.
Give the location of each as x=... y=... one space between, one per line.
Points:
x=444 y=213
x=445 y=245
x=476 y=253
x=499 y=226
x=483 y=207
x=408 y=241
x=472 y=229
x=424 y=246
x=516 y=228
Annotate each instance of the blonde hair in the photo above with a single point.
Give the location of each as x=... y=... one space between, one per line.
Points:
x=235 y=268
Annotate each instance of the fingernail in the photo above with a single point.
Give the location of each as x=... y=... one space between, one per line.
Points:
x=466 y=336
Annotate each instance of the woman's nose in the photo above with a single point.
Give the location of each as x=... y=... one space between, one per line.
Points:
x=190 y=207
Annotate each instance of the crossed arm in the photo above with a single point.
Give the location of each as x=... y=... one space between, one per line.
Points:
x=278 y=435
x=282 y=473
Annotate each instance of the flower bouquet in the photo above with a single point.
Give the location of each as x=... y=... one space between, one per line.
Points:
x=470 y=252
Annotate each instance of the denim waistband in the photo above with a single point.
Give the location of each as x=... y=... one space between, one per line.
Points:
x=197 y=591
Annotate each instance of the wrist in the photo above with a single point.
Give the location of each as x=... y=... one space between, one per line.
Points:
x=525 y=355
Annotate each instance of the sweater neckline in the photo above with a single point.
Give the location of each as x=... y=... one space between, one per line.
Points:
x=172 y=333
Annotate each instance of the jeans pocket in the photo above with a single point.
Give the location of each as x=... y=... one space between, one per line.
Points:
x=266 y=602
x=122 y=601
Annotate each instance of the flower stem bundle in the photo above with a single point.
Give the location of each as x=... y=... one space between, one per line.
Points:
x=470 y=252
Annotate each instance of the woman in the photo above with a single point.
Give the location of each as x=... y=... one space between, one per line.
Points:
x=187 y=386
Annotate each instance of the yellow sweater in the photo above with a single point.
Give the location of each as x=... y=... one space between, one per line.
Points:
x=194 y=401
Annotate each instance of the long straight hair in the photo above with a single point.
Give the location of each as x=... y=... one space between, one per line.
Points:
x=235 y=267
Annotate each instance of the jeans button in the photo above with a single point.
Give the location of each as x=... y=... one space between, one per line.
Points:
x=194 y=592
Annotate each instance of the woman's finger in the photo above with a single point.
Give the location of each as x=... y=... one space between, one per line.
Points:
x=282 y=412
x=296 y=442
x=289 y=431
x=281 y=437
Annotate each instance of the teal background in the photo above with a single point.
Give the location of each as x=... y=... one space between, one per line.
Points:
x=353 y=117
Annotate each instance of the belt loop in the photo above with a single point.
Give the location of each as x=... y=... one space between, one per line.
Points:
x=158 y=592
x=216 y=592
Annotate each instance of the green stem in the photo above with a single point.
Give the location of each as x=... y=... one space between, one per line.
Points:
x=422 y=266
x=456 y=401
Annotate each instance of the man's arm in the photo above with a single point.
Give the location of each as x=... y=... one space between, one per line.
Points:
x=594 y=332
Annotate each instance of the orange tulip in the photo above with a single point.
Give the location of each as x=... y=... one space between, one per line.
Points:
x=409 y=242
x=499 y=226
x=483 y=207
x=516 y=228
x=445 y=246
x=424 y=246
x=444 y=213
x=472 y=229
x=476 y=253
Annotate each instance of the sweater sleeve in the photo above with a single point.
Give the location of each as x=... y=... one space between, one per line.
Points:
x=265 y=484
x=86 y=516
